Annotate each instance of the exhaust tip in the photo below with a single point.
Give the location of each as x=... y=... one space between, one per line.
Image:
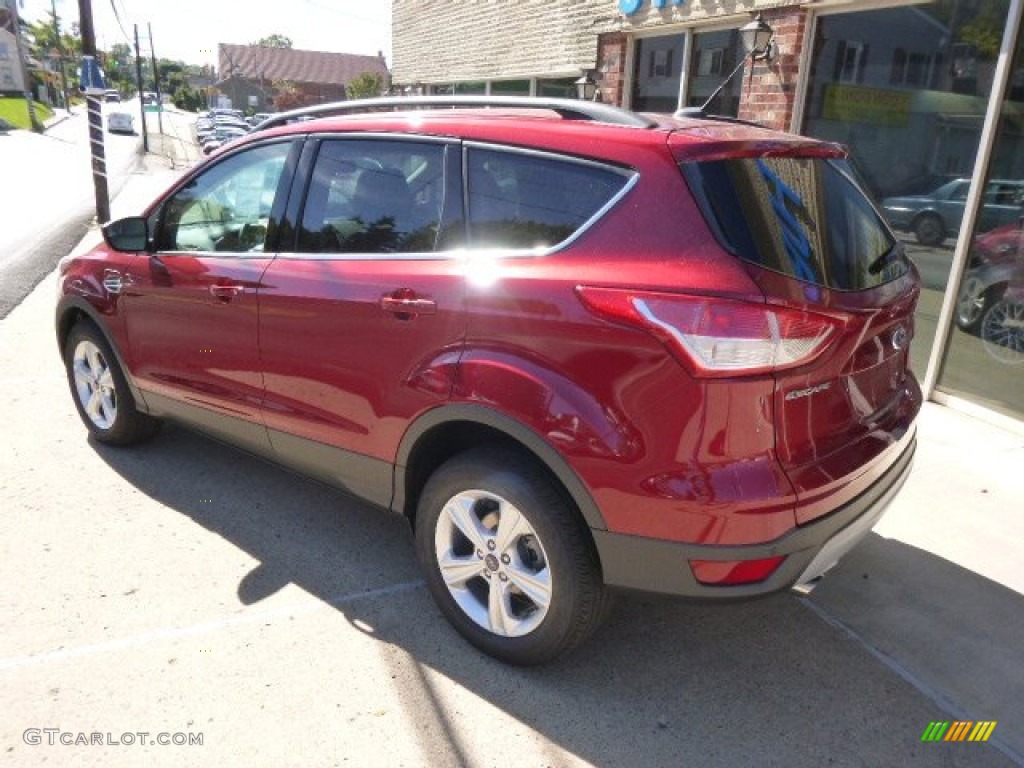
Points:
x=803 y=589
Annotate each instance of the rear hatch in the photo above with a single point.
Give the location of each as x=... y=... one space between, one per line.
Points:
x=796 y=216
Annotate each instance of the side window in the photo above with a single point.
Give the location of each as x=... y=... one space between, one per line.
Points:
x=227 y=207
x=527 y=201
x=374 y=196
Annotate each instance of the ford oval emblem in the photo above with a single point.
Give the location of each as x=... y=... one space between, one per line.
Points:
x=900 y=337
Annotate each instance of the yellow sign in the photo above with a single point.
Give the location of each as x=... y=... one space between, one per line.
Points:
x=855 y=104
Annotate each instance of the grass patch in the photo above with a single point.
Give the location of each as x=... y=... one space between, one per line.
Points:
x=14 y=111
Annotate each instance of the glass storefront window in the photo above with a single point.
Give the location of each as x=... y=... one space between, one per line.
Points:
x=562 y=88
x=657 y=70
x=984 y=360
x=715 y=55
x=510 y=87
x=906 y=90
x=473 y=88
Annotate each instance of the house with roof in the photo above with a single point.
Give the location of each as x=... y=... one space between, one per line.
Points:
x=264 y=79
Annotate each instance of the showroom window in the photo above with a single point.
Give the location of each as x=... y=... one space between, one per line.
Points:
x=984 y=360
x=906 y=89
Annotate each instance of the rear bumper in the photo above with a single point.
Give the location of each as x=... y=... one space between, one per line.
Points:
x=654 y=565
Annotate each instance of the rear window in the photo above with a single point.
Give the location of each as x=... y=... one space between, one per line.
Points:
x=803 y=217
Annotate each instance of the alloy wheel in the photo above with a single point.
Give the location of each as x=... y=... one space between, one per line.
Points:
x=94 y=384
x=1003 y=331
x=493 y=563
x=970 y=304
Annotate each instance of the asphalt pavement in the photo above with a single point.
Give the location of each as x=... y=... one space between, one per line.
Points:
x=190 y=592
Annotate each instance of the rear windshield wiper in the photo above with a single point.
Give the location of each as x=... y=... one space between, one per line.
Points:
x=896 y=249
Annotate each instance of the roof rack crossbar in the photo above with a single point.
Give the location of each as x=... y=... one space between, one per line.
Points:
x=567 y=108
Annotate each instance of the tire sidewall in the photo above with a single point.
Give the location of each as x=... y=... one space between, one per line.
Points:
x=542 y=505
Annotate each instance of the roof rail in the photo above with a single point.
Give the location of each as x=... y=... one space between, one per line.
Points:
x=568 y=108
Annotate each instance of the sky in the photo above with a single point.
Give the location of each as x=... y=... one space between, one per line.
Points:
x=189 y=30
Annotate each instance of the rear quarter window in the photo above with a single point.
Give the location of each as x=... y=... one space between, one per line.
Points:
x=521 y=200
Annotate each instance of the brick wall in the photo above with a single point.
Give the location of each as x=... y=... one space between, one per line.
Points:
x=770 y=95
x=440 y=41
x=611 y=66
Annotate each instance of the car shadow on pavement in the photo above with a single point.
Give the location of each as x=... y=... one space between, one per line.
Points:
x=665 y=682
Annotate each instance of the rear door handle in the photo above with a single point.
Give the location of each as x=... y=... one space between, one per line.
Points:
x=408 y=305
x=225 y=292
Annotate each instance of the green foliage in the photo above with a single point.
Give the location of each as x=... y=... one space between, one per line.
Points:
x=274 y=41
x=14 y=110
x=365 y=86
x=985 y=33
x=187 y=99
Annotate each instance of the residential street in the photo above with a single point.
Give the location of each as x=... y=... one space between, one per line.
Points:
x=49 y=199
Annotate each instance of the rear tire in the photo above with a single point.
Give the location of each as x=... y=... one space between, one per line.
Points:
x=100 y=390
x=507 y=559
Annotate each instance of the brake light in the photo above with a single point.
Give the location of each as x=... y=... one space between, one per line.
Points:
x=714 y=336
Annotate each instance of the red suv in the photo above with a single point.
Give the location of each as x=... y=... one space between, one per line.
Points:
x=576 y=346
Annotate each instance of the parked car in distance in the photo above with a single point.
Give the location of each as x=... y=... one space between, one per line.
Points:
x=937 y=215
x=120 y=122
x=577 y=347
x=111 y=96
x=221 y=136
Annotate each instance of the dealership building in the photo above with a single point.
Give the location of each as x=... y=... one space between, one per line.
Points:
x=929 y=98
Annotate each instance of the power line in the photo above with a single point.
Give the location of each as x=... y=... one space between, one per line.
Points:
x=117 y=16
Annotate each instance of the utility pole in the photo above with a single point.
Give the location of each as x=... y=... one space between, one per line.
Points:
x=29 y=101
x=60 y=52
x=156 y=82
x=99 y=161
x=142 y=102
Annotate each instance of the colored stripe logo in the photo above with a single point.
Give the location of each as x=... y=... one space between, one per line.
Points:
x=959 y=730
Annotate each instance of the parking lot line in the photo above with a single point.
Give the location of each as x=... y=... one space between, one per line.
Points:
x=237 y=619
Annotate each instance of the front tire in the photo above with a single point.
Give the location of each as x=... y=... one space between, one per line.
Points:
x=507 y=558
x=100 y=390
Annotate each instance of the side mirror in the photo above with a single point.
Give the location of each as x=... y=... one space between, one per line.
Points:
x=130 y=234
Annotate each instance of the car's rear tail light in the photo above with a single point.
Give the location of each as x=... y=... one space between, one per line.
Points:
x=733 y=572
x=715 y=336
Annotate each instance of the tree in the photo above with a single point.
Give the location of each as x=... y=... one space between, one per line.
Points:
x=365 y=86
x=187 y=99
x=287 y=96
x=274 y=41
